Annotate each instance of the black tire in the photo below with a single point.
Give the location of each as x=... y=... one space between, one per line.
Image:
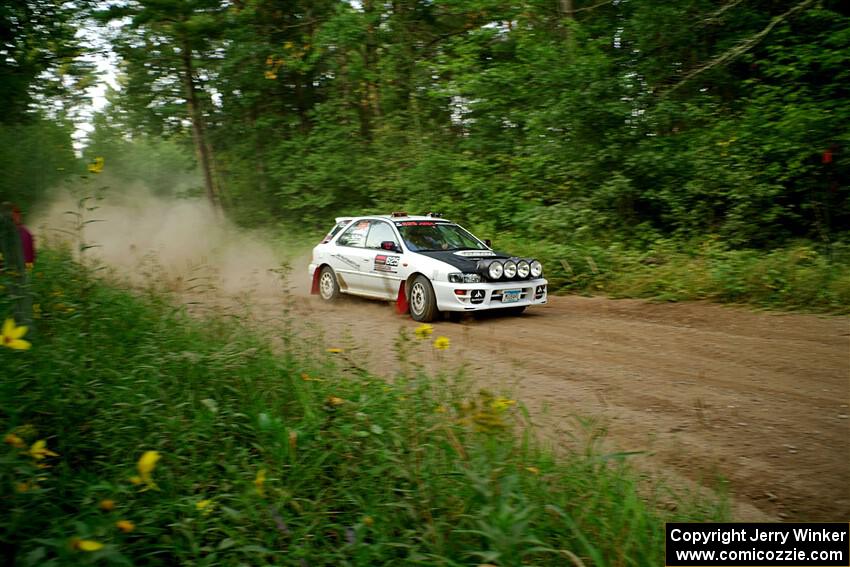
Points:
x=422 y=301
x=514 y=310
x=328 y=286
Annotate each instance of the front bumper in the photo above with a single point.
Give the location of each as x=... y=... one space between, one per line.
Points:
x=490 y=295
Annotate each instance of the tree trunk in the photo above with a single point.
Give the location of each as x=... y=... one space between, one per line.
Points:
x=198 y=132
x=369 y=102
x=567 y=11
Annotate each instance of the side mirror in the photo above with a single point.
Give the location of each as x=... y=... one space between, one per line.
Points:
x=487 y=243
x=390 y=245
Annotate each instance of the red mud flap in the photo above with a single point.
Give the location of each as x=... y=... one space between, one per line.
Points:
x=314 y=289
x=401 y=305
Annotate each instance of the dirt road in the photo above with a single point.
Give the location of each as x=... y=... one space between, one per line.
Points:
x=705 y=391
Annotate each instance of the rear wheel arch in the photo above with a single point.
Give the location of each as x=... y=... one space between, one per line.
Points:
x=314 y=285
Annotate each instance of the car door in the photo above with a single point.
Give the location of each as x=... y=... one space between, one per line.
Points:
x=383 y=278
x=350 y=259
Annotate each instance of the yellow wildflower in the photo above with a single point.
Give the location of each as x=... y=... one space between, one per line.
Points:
x=125 y=526
x=145 y=466
x=368 y=520
x=533 y=470
x=440 y=409
x=205 y=506
x=11 y=336
x=86 y=544
x=14 y=441
x=259 y=482
x=501 y=404
x=96 y=166
x=107 y=505
x=335 y=401
x=441 y=343
x=25 y=486
x=147 y=462
x=270 y=75
x=307 y=378
x=39 y=450
x=334 y=350
x=423 y=331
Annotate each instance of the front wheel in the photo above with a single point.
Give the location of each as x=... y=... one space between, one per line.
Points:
x=328 y=286
x=423 y=303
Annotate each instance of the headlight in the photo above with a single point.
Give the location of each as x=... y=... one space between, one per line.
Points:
x=457 y=277
x=536 y=269
x=495 y=270
x=510 y=269
x=523 y=269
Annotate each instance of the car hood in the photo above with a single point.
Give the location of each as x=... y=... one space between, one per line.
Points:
x=464 y=260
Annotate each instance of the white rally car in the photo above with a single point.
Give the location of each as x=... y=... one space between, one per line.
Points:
x=425 y=264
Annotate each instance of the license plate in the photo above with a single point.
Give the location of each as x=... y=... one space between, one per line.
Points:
x=511 y=295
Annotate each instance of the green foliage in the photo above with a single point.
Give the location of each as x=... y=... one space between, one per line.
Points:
x=802 y=276
x=285 y=457
x=495 y=114
x=36 y=157
x=41 y=64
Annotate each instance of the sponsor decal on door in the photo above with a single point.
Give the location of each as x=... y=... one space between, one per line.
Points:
x=386 y=263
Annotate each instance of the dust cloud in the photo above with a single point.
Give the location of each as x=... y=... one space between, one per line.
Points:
x=174 y=243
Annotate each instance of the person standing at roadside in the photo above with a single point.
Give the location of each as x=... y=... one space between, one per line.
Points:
x=17 y=256
x=26 y=238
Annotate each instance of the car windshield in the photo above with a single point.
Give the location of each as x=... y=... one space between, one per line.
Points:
x=429 y=236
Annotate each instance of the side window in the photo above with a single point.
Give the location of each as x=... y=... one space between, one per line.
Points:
x=355 y=235
x=380 y=232
x=337 y=227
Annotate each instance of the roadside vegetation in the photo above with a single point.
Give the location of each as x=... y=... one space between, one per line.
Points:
x=135 y=434
x=801 y=276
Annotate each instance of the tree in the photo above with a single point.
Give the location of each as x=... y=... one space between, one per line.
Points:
x=41 y=79
x=169 y=52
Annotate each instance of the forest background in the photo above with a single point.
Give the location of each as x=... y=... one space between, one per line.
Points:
x=687 y=149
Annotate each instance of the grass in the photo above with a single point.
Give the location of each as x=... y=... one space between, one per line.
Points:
x=278 y=455
x=802 y=276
